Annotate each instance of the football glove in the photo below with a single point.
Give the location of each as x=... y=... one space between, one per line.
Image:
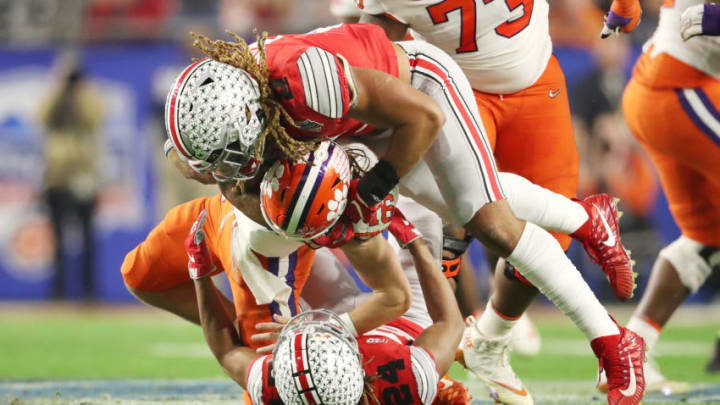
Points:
x=199 y=261
x=700 y=19
x=369 y=220
x=623 y=17
x=340 y=234
x=403 y=231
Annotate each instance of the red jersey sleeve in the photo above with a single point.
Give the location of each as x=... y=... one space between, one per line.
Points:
x=316 y=88
x=259 y=382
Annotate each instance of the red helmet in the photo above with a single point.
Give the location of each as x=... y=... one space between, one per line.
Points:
x=303 y=199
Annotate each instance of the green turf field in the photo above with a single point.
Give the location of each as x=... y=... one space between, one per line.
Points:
x=140 y=349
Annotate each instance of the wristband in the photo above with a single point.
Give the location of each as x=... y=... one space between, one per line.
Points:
x=377 y=183
x=168 y=147
x=348 y=324
x=455 y=245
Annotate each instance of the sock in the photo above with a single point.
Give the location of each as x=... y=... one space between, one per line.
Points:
x=549 y=210
x=647 y=329
x=539 y=257
x=493 y=324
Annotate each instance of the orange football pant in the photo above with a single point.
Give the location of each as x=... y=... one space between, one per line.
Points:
x=680 y=129
x=532 y=136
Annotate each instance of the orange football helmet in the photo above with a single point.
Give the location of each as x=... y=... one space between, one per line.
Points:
x=303 y=199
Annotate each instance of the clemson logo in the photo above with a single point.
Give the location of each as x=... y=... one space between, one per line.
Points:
x=336 y=206
x=272 y=186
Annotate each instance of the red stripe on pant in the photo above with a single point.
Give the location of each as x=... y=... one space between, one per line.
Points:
x=484 y=153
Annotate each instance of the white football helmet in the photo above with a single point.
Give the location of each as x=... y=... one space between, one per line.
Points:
x=316 y=360
x=214 y=119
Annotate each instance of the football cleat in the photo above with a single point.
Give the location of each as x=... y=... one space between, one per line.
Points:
x=621 y=357
x=600 y=236
x=487 y=359
x=655 y=381
x=452 y=392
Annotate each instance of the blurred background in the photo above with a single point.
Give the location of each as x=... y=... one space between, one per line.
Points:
x=82 y=91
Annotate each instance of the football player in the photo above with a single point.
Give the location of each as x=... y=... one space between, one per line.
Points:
x=671 y=106
x=505 y=49
x=270 y=275
x=318 y=359
x=267 y=271
x=351 y=80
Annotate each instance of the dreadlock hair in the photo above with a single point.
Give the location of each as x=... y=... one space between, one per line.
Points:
x=239 y=55
x=368 y=396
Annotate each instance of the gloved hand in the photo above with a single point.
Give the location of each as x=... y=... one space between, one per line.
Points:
x=403 y=231
x=700 y=19
x=369 y=220
x=340 y=234
x=624 y=16
x=199 y=261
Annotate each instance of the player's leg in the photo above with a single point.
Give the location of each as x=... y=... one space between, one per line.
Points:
x=687 y=154
x=461 y=161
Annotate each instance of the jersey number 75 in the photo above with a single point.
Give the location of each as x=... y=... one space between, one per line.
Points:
x=468 y=11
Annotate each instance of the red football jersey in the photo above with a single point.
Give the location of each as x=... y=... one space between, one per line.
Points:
x=311 y=77
x=402 y=373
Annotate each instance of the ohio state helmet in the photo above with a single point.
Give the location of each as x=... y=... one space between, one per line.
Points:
x=214 y=119
x=303 y=199
x=316 y=361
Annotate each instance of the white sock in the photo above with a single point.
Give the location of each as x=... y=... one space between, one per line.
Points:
x=492 y=325
x=549 y=210
x=646 y=330
x=539 y=257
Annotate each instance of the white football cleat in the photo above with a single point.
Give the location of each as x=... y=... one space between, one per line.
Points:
x=487 y=359
x=655 y=381
x=525 y=338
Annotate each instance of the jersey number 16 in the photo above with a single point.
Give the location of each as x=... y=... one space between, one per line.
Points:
x=468 y=11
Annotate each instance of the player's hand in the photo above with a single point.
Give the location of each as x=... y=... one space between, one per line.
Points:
x=369 y=220
x=270 y=333
x=700 y=19
x=623 y=17
x=403 y=231
x=340 y=234
x=199 y=261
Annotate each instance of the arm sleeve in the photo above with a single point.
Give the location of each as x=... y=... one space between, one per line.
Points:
x=426 y=374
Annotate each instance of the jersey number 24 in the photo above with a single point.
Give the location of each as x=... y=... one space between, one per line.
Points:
x=468 y=11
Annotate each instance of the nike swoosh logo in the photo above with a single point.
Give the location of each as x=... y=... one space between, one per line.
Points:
x=521 y=392
x=554 y=94
x=610 y=241
x=630 y=390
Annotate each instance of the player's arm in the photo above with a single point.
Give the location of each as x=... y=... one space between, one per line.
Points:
x=395 y=30
x=217 y=325
x=379 y=268
x=385 y=101
x=442 y=337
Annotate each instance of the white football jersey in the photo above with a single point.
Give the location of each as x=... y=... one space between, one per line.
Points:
x=701 y=52
x=503 y=46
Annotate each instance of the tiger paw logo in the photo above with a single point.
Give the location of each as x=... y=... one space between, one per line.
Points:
x=272 y=186
x=336 y=206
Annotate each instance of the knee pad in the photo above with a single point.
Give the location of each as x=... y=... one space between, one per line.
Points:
x=692 y=260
